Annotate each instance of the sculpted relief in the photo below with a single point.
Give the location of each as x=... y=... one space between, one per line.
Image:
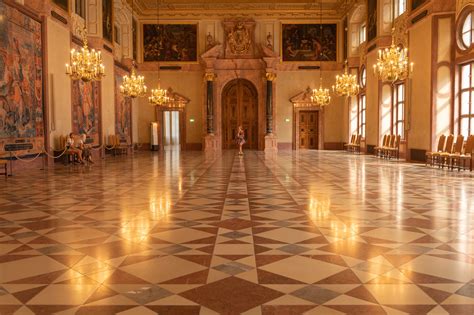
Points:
x=239 y=36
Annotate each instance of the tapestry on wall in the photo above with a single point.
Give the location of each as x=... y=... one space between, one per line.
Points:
x=123 y=109
x=86 y=109
x=21 y=71
x=107 y=20
x=307 y=42
x=417 y=3
x=170 y=42
x=371 y=20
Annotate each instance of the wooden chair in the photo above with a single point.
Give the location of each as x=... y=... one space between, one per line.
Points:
x=356 y=146
x=389 y=144
x=394 y=149
x=68 y=155
x=443 y=157
x=467 y=155
x=451 y=159
x=351 y=142
x=378 y=149
x=440 y=148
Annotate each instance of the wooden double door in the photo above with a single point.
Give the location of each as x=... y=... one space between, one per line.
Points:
x=308 y=130
x=239 y=108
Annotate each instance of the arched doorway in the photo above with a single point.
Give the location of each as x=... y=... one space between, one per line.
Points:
x=239 y=107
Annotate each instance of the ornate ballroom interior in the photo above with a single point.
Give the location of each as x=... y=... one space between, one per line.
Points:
x=123 y=191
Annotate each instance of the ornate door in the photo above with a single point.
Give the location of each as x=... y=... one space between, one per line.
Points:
x=308 y=123
x=239 y=107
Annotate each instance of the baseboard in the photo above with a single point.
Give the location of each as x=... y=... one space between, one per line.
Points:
x=418 y=155
x=285 y=146
x=142 y=146
x=333 y=145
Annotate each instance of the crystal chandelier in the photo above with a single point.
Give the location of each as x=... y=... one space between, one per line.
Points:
x=134 y=85
x=86 y=65
x=392 y=63
x=159 y=96
x=346 y=84
x=321 y=97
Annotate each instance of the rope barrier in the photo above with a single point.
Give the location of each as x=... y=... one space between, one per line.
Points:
x=26 y=160
x=52 y=156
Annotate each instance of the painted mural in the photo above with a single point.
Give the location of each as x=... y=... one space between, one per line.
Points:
x=107 y=20
x=170 y=42
x=307 y=42
x=371 y=20
x=86 y=109
x=21 y=71
x=123 y=109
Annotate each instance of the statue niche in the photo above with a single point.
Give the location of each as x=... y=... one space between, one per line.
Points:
x=239 y=38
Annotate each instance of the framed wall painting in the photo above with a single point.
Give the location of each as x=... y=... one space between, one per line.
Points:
x=170 y=42
x=309 y=42
x=371 y=20
x=107 y=20
x=416 y=4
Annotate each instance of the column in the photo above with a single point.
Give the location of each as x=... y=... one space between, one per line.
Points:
x=269 y=103
x=210 y=102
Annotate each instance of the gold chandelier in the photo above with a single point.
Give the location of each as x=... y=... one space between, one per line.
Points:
x=392 y=63
x=321 y=97
x=86 y=65
x=159 y=96
x=346 y=84
x=134 y=85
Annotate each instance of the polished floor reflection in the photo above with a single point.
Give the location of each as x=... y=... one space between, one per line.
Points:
x=186 y=233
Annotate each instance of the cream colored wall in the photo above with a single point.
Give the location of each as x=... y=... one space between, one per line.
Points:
x=188 y=84
x=372 y=98
x=289 y=84
x=108 y=96
x=419 y=133
x=59 y=89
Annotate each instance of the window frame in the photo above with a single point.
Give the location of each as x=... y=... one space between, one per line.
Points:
x=397 y=115
x=397 y=7
x=470 y=91
x=80 y=7
x=362 y=33
x=362 y=114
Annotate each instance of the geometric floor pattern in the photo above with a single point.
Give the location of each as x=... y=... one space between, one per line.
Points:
x=189 y=233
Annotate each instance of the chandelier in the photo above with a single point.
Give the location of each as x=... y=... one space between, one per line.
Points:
x=86 y=65
x=320 y=97
x=346 y=84
x=134 y=85
x=159 y=96
x=392 y=63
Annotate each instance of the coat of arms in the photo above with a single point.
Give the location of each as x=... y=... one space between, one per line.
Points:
x=239 y=35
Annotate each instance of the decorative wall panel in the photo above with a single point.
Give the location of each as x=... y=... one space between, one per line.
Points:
x=107 y=20
x=304 y=42
x=170 y=42
x=21 y=72
x=123 y=109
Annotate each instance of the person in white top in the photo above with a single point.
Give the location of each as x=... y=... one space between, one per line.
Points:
x=71 y=148
x=86 y=150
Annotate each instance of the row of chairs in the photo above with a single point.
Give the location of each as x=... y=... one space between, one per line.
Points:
x=390 y=147
x=354 y=144
x=452 y=154
x=118 y=145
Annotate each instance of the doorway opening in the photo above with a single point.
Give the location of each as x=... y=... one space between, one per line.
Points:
x=239 y=108
x=171 y=134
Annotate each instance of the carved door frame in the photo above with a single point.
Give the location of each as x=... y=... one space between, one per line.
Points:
x=226 y=89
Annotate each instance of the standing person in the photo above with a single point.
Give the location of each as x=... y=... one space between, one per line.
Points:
x=240 y=139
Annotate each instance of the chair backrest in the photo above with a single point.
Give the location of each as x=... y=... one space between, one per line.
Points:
x=441 y=142
x=352 y=138
x=469 y=145
x=449 y=144
x=396 y=143
x=459 y=144
x=359 y=137
x=384 y=140
x=391 y=141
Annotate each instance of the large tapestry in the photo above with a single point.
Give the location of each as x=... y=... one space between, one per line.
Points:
x=107 y=20
x=21 y=71
x=170 y=42
x=307 y=42
x=123 y=109
x=371 y=20
x=86 y=109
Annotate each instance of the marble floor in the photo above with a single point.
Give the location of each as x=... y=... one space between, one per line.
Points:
x=186 y=233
